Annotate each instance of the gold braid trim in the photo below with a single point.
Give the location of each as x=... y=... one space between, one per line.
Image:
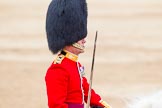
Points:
x=105 y=104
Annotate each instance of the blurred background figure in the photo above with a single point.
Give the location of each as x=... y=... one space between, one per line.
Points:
x=128 y=54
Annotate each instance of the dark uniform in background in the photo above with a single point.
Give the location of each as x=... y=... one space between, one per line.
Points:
x=67 y=87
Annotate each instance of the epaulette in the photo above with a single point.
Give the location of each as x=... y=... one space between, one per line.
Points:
x=59 y=59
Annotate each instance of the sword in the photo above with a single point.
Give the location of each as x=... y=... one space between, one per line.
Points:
x=91 y=75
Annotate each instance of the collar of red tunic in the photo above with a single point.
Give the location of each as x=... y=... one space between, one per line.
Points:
x=70 y=55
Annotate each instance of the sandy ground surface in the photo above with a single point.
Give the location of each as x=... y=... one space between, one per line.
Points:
x=128 y=57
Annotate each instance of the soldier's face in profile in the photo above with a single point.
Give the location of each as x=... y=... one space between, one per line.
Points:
x=82 y=42
x=82 y=45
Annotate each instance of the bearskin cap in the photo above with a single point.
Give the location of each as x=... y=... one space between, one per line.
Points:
x=66 y=23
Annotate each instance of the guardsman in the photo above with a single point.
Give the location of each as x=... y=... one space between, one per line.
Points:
x=66 y=28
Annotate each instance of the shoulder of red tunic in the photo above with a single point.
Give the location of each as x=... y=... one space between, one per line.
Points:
x=57 y=67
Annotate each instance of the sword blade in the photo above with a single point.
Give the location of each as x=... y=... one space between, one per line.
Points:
x=91 y=75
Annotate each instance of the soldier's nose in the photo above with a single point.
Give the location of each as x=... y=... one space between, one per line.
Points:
x=84 y=41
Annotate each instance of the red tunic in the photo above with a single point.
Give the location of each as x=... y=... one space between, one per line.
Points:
x=66 y=84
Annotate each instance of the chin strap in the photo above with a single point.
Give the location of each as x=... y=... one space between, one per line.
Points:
x=76 y=45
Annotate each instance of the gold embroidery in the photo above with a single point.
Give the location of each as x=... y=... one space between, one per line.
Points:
x=71 y=56
x=59 y=59
x=105 y=104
